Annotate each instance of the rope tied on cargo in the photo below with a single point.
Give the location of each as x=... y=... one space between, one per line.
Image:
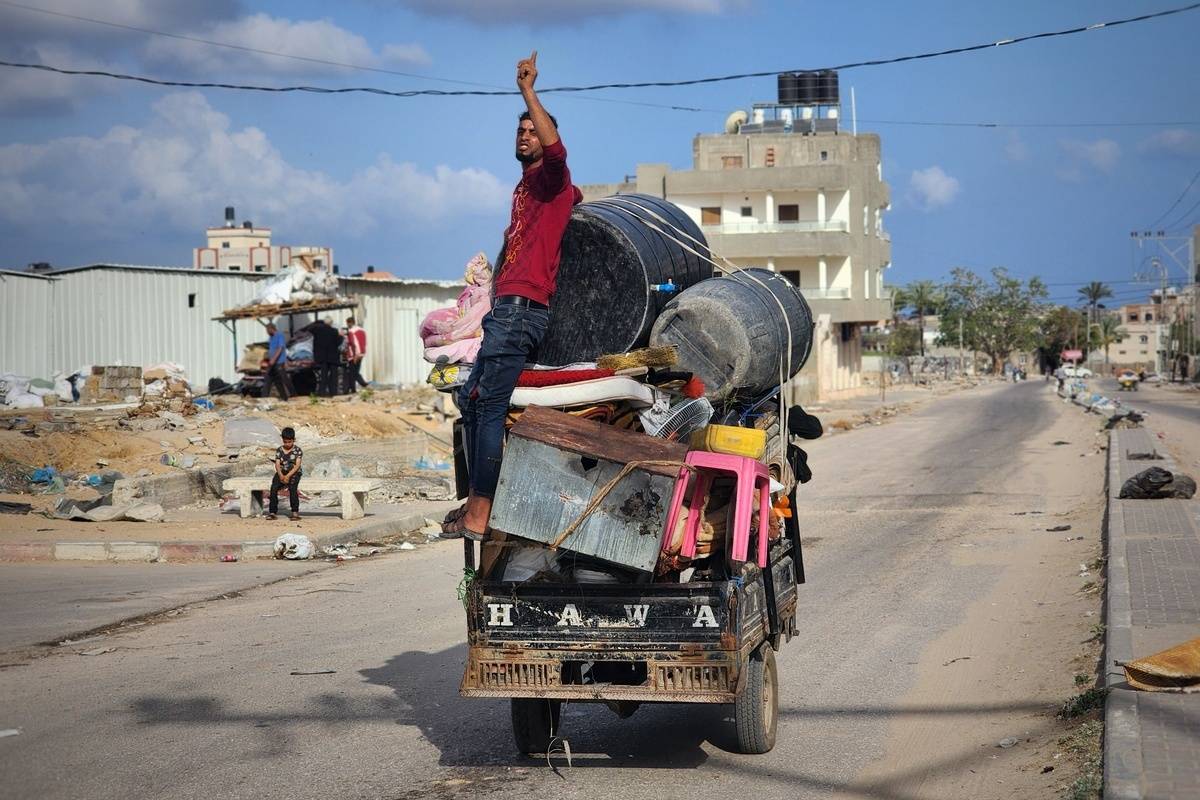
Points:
x=607 y=488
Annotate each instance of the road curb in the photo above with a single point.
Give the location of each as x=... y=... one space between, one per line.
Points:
x=1123 y=767
x=180 y=551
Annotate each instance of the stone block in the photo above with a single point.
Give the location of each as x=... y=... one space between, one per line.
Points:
x=80 y=551
x=132 y=551
x=27 y=551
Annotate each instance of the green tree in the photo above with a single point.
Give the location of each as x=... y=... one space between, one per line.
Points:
x=900 y=302
x=1107 y=332
x=924 y=297
x=999 y=316
x=1058 y=330
x=904 y=341
x=1092 y=294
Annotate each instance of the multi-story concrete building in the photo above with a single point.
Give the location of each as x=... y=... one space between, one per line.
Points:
x=247 y=248
x=1147 y=327
x=808 y=205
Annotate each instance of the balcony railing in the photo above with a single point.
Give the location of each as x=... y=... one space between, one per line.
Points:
x=825 y=294
x=807 y=226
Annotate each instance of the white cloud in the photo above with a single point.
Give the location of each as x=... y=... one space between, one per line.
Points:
x=547 y=12
x=1175 y=142
x=190 y=161
x=315 y=39
x=1101 y=155
x=932 y=187
x=1015 y=148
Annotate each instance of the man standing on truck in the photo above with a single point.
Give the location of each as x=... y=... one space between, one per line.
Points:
x=525 y=282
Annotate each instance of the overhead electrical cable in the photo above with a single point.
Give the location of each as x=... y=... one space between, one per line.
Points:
x=602 y=86
x=1178 y=200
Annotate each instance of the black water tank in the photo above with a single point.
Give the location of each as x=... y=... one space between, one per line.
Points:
x=827 y=87
x=806 y=88
x=733 y=332
x=611 y=257
x=229 y=217
x=788 y=89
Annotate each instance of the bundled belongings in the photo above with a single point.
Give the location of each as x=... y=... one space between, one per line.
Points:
x=455 y=333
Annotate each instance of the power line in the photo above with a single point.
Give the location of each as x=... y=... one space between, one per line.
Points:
x=602 y=86
x=1178 y=200
x=308 y=59
x=943 y=124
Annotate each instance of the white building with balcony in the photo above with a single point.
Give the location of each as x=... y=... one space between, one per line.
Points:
x=808 y=205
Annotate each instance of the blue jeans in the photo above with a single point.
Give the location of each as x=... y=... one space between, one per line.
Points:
x=511 y=335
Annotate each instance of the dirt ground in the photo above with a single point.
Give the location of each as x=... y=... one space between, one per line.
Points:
x=348 y=418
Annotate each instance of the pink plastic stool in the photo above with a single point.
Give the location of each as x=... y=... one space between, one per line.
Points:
x=750 y=475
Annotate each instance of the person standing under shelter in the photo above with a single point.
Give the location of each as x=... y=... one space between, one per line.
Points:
x=524 y=285
x=327 y=344
x=358 y=351
x=276 y=363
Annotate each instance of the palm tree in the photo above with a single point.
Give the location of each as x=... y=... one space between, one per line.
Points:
x=925 y=297
x=1092 y=294
x=1108 y=331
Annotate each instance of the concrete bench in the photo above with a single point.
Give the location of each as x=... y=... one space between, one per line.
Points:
x=250 y=492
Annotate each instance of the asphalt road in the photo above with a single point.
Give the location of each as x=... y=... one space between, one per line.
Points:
x=208 y=704
x=1170 y=402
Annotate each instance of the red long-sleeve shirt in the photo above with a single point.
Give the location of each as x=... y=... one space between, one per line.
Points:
x=541 y=209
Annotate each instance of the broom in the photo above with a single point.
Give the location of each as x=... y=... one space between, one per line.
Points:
x=658 y=357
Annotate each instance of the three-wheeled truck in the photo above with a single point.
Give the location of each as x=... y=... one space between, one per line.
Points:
x=707 y=640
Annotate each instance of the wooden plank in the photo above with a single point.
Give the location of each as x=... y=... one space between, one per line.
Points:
x=595 y=439
x=544 y=488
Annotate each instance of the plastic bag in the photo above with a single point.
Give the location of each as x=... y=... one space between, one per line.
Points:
x=295 y=546
x=276 y=289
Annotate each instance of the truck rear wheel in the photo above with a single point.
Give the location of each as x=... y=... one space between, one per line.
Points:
x=534 y=723
x=756 y=708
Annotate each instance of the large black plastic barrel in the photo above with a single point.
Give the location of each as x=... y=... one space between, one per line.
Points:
x=732 y=332
x=612 y=255
x=787 y=83
x=827 y=87
x=806 y=88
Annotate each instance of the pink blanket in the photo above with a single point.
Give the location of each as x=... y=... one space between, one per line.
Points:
x=455 y=332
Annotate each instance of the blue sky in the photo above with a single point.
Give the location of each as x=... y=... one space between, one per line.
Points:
x=96 y=170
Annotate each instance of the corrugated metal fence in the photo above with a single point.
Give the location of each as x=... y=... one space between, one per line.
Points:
x=143 y=316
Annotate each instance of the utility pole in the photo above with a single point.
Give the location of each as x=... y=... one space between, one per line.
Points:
x=962 y=367
x=1175 y=247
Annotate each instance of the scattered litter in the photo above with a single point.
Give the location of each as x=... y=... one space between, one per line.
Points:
x=1059 y=443
x=9 y=732
x=97 y=651
x=335 y=550
x=313 y=672
x=101 y=462
x=295 y=546
x=1058 y=529
x=1073 y=539
x=203 y=402
x=408 y=546
x=228 y=558
x=180 y=460
x=1157 y=483
x=1047 y=768
x=14 y=508
x=267 y=616
x=1008 y=742
x=102 y=510
x=960 y=658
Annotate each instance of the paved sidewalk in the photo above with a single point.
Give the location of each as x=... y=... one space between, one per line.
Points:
x=1151 y=740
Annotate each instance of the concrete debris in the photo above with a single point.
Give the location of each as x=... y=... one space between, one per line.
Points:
x=1007 y=742
x=249 y=431
x=97 y=651
x=1058 y=529
x=6 y=732
x=407 y=546
x=102 y=510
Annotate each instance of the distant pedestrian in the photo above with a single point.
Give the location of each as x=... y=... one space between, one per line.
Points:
x=327 y=343
x=358 y=351
x=276 y=363
x=288 y=458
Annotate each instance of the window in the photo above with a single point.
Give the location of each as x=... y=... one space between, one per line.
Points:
x=260 y=267
x=1149 y=316
x=866 y=284
x=866 y=216
x=192 y=300
x=225 y=245
x=770 y=160
x=1143 y=339
x=747 y=211
x=789 y=213
x=731 y=162
x=1133 y=317
x=710 y=215
x=235 y=268
x=1120 y=352
x=318 y=263
x=824 y=155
